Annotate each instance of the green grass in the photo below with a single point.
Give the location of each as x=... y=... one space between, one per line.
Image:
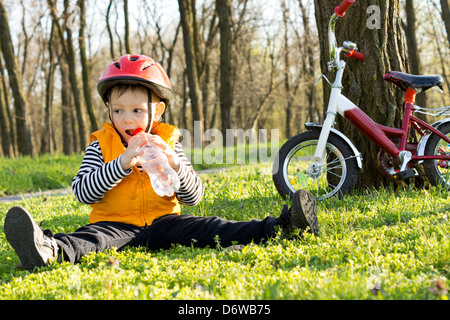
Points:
x=47 y=172
x=385 y=245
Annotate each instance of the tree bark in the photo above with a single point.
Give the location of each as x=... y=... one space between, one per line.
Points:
x=85 y=69
x=413 y=50
x=116 y=31
x=186 y=15
x=4 y=127
x=205 y=68
x=108 y=27
x=287 y=86
x=26 y=40
x=309 y=68
x=69 y=54
x=127 y=28
x=446 y=18
x=46 y=139
x=363 y=84
x=9 y=118
x=69 y=135
x=226 y=90
x=439 y=50
x=23 y=123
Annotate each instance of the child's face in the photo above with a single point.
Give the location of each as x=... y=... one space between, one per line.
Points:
x=129 y=112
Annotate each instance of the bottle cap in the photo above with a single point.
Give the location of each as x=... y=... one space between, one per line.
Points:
x=137 y=131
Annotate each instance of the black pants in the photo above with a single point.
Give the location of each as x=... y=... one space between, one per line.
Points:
x=162 y=233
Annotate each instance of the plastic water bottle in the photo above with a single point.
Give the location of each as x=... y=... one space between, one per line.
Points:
x=163 y=178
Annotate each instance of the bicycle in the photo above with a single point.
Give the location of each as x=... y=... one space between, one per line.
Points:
x=324 y=161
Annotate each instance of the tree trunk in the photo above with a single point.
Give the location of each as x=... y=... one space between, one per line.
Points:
x=446 y=18
x=108 y=27
x=23 y=123
x=413 y=50
x=287 y=85
x=4 y=127
x=204 y=85
x=309 y=68
x=9 y=117
x=167 y=63
x=69 y=54
x=226 y=91
x=204 y=71
x=116 y=31
x=85 y=69
x=127 y=28
x=440 y=53
x=69 y=136
x=188 y=39
x=379 y=36
x=183 y=121
x=46 y=139
x=71 y=60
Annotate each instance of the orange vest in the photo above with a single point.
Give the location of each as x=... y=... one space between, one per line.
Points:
x=132 y=200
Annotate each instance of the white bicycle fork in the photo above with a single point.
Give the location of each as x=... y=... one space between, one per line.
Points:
x=337 y=104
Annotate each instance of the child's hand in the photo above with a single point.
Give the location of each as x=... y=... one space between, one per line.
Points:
x=172 y=157
x=128 y=158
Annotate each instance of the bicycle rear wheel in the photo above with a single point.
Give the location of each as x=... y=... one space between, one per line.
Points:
x=438 y=171
x=293 y=170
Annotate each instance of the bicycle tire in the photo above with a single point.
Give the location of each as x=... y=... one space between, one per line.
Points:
x=437 y=172
x=290 y=174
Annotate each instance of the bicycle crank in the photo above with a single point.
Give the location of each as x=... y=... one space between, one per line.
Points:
x=388 y=166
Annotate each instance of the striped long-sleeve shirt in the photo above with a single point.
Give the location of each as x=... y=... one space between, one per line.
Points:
x=95 y=177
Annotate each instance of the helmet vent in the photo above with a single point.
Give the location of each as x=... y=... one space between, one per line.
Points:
x=134 y=58
x=146 y=65
x=117 y=65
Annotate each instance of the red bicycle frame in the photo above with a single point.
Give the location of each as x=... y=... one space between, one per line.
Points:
x=380 y=134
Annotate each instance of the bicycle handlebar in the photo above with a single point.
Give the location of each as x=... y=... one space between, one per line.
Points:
x=340 y=10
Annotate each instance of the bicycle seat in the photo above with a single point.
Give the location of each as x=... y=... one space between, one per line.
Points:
x=418 y=83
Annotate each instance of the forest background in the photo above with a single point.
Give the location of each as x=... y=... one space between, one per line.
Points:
x=271 y=51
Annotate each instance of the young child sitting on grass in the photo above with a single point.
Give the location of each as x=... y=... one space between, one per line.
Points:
x=125 y=209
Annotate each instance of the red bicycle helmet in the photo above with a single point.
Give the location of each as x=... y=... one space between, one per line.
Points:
x=136 y=69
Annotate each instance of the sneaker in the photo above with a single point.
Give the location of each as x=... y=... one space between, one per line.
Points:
x=34 y=246
x=302 y=214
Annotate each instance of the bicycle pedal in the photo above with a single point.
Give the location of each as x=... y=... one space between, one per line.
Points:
x=405 y=174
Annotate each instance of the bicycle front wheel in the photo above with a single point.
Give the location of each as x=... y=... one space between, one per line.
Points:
x=293 y=168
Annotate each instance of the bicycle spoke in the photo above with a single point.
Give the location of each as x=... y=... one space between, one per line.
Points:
x=328 y=168
x=335 y=174
x=332 y=185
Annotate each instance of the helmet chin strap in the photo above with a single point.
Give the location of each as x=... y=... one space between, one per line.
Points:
x=109 y=114
x=151 y=112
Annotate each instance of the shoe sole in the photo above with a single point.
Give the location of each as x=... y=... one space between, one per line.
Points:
x=24 y=234
x=304 y=200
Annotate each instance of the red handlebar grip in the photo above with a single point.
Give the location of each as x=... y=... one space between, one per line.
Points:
x=358 y=55
x=340 y=11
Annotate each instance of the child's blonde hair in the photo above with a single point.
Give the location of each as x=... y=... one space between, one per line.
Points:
x=121 y=88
